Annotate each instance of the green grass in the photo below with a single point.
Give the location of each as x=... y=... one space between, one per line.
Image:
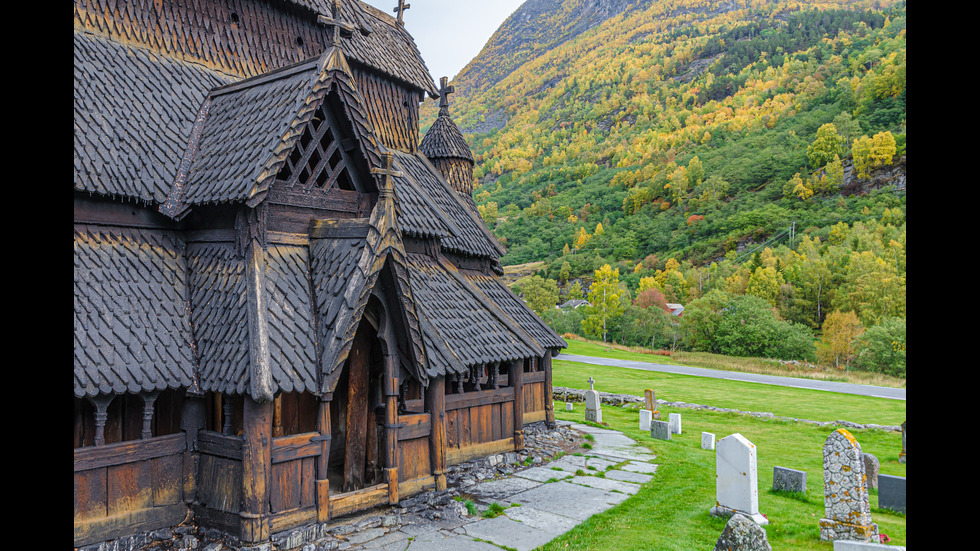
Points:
x=706 y=360
x=671 y=511
x=814 y=405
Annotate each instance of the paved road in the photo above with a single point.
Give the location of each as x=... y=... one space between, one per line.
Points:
x=846 y=388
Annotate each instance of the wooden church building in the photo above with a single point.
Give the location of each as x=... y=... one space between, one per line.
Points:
x=287 y=308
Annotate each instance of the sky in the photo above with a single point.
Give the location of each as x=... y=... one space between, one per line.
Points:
x=450 y=33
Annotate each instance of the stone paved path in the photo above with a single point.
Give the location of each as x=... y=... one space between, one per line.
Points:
x=540 y=502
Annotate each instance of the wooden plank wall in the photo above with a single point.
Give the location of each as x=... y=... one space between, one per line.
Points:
x=534 y=397
x=476 y=418
x=413 y=446
x=129 y=486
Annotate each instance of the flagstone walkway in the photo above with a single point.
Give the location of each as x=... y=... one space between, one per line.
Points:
x=540 y=502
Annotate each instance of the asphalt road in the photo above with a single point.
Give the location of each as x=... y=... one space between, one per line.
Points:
x=829 y=386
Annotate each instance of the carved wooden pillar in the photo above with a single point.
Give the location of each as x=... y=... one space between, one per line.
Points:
x=193 y=418
x=435 y=398
x=549 y=403
x=323 y=461
x=256 y=460
x=226 y=413
x=517 y=381
x=149 y=398
x=101 y=404
x=391 y=425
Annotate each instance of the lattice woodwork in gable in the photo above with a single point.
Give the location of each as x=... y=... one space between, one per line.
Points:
x=327 y=156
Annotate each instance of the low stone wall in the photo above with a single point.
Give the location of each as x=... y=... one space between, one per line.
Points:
x=563 y=394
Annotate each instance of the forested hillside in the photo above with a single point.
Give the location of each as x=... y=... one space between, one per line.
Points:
x=702 y=153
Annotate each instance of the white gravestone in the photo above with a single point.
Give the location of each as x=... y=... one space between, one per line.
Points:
x=646 y=416
x=737 y=479
x=675 y=423
x=593 y=406
x=707 y=441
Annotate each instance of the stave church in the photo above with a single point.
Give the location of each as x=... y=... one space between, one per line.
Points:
x=287 y=307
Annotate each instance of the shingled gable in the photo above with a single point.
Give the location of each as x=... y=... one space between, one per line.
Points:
x=251 y=132
x=360 y=273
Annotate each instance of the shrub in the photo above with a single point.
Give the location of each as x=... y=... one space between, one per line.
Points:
x=881 y=349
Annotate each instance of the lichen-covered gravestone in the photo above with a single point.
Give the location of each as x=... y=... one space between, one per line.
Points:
x=741 y=534
x=649 y=406
x=593 y=406
x=737 y=479
x=847 y=511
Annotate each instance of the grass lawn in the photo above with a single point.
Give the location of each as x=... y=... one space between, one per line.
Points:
x=671 y=511
x=576 y=345
x=814 y=405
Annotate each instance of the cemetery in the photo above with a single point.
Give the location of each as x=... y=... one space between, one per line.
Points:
x=774 y=472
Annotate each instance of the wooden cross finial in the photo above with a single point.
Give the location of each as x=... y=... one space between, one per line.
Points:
x=387 y=171
x=400 y=10
x=444 y=91
x=338 y=29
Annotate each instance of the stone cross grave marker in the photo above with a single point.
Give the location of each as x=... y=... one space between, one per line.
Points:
x=593 y=406
x=847 y=511
x=737 y=479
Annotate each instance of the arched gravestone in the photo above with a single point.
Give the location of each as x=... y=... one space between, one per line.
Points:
x=847 y=511
x=737 y=479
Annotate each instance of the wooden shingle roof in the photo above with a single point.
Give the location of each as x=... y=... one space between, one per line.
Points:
x=134 y=111
x=132 y=328
x=445 y=140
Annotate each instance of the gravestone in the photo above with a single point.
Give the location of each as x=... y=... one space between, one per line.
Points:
x=675 y=423
x=650 y=403
x=737 y=479
x=707 y=441
x=901 y=455
x=646 y=416
x=741 y=534
x=871 y=466
x=593 y=406
x=569 y=406
x=846 y=507
x=788 y=480
x=891 y=492
x=660 y=430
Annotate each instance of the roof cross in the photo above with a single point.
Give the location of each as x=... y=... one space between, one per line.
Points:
x=400 y=10
x=388 y=172
x=444 y=91
x=337 y=28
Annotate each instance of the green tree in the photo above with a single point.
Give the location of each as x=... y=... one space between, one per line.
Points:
x=874 y=152
x=881 y=348
x=827 y=145
x=540 y=294
x=604 y=302
x=840 y=330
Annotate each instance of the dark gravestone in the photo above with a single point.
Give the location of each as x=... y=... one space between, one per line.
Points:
x=660 y=430
x=891 y=492
x=871 y=467
x=788 y=480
